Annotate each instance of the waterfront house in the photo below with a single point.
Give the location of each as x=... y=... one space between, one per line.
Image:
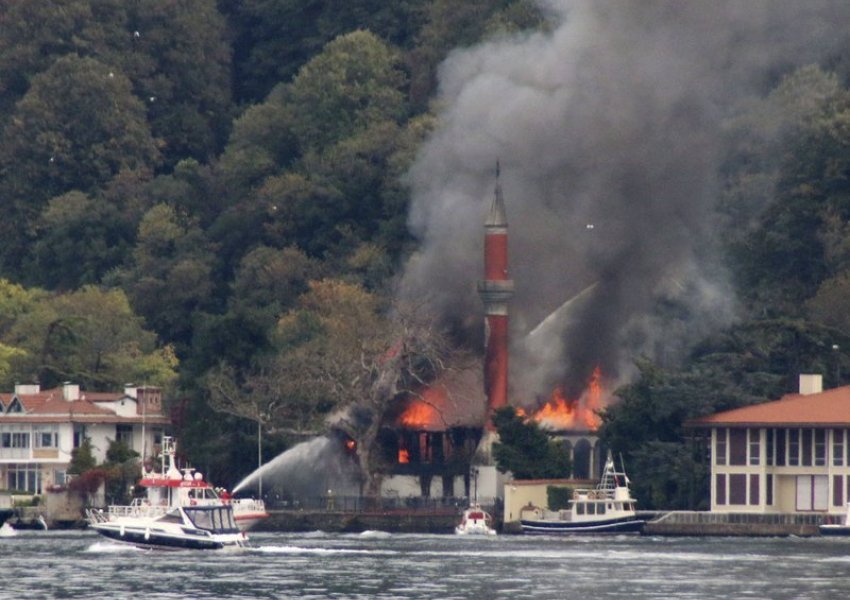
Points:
x=791 y=455
x=40 y=428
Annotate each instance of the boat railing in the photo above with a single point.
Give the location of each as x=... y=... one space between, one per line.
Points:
x=248 y=505
x=136 y=510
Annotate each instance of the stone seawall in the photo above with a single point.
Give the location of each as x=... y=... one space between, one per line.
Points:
x=393 y=522
x=693 y=523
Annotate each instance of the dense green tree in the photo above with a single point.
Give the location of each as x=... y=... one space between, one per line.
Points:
x=35 y=34
x=91 y=337
x=356 y=81
x=76 y=128
x=122 y=469
x=261 y=144
x=78 y=240
x=170 y=275
x=527 y=451
x=787 y=191
x=275 y=38
x=82 y=458
x=180 y=67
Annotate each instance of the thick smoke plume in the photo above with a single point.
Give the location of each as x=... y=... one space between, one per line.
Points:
x=609 y=129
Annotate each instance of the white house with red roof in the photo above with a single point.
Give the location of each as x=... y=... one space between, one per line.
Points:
x=40 y=428
x=791 y=455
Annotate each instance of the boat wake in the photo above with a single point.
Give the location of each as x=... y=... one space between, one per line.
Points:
x=278 y=549
x=374 y=534
x=110 y=548
x=7 y=530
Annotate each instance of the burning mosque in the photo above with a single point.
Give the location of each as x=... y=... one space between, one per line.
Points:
x=613 y=125
x=448 y=429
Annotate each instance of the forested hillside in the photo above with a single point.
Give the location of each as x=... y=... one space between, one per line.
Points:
x=213 y=196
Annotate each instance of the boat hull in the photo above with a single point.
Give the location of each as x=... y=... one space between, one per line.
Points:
x=621 y=525
x=247 y=522
x=834 y=529
x=145 y=537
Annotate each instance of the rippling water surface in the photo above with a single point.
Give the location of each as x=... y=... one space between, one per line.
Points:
x=379 y=565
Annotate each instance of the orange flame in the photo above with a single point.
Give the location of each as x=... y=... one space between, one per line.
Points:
x=417 y=415
x=403 y=456
x=425 y=413
x=351 y=445
x=562 y=413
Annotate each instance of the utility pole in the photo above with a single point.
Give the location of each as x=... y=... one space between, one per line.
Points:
x=260 y=457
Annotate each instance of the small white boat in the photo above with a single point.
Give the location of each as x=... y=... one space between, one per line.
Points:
x=607 y=508
x=837 y=527
x=180 y=509
x=198 y=527
x=475 y=521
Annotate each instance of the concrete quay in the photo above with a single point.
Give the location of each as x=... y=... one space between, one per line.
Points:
x=702 y=523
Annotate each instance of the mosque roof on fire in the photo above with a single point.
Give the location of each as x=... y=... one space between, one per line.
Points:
x=456 y=399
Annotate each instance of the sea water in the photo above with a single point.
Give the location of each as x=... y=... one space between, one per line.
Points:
x=79 y=564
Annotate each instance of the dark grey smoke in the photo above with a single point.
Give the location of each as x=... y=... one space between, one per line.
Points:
x=609 y=132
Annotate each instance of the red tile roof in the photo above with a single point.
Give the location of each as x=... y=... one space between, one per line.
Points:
x=50 y=406
x=829 y=408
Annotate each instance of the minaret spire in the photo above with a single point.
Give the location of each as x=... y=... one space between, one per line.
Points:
x=496 y=290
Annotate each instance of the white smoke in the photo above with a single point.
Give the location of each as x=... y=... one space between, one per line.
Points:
x=609 y=129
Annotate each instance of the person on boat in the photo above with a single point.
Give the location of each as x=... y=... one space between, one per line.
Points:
x=225 y=495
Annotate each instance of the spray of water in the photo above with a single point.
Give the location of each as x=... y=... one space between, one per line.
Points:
x=308 y=469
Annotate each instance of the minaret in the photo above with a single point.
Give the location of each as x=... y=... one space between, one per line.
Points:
x=496 y=290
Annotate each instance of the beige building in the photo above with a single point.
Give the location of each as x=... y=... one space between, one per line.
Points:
x=39 y=429
x=791 y=455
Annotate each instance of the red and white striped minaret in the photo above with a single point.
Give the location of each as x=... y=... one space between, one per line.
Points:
x=496 y=290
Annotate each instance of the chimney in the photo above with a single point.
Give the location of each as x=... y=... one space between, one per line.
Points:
x=149 y=401
x=130 y=390
x=811 y=384
x=24 y=389
x=70 y=391
x=496 y=290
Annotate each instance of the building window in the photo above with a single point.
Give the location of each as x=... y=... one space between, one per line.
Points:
x=768 y=489
x=124 y=434
x=720 y=488
x=60 y=477
x=806 y=448
x=820 y=447
x=793 y=447
x=780 y=447
x=14 y=439
x=755 y=446
x=812 y=492
x=720 y=447
x=46 y=436
x=838 y=447
x=24 y=478
x=738 y=447
x=837 y=490
x=79 y=435
x=754 y=489
x=737 y=488
x=771 y=446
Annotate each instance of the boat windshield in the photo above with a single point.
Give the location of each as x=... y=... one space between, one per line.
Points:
x=213 y=518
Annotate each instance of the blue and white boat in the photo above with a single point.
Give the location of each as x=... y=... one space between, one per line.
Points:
x=607 y=508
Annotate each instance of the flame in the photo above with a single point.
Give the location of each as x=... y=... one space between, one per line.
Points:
x=561 y=412
x=424 y=413
x=351 y=445
x=403 y=456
